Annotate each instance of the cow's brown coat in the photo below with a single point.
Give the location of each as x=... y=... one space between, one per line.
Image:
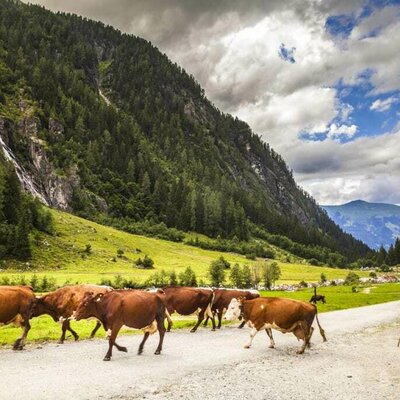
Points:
x=61 y=304
x=15 y=305
x=188 y=300
x=133 y=308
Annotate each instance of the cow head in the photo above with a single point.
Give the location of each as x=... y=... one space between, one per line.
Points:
x=41 y=306
x=234 y=310
x=88 y=307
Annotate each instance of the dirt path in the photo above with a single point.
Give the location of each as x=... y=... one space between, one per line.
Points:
x=360 y=360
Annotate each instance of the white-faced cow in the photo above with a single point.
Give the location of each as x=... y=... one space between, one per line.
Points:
x=15 y=305
x=188 y=300
x=284 y=315
x=132 y=308
x=61 y=304
x=222 y=299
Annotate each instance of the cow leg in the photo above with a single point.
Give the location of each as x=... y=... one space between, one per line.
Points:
x=199 y=320
x=169 y=322
x=96 y=328
x=220 y=312
x=206 y=321
x=66 y=326
x=242 y=324
x=111 y=341
x=145 y=337
x=271 y=338
x=20 y=342
x=161 y=332
x=302 y=332
x=309 y=337
x=252 y=334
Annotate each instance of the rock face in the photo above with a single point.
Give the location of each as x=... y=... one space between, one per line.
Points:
x=38 y=176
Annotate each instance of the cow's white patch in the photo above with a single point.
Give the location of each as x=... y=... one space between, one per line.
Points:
x=108 y=334
x=262 y=306
x=152 y=328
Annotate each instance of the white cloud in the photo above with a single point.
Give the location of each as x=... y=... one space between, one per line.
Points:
x=336 y=131
x=383 y=105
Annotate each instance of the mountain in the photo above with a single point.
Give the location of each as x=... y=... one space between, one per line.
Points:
x=375 y=224
x=102 y=124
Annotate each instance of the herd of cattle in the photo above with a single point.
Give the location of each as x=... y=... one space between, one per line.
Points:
x=148 y=309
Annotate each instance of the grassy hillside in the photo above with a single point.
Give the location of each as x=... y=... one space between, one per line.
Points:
x=63 y=255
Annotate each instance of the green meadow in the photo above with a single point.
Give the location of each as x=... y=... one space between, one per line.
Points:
x=63 y=256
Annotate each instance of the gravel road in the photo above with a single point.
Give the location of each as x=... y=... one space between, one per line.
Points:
x=360 y=361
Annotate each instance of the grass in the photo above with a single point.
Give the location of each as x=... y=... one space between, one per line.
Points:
x=338 y=298
x=63 y=258
x=342 y=297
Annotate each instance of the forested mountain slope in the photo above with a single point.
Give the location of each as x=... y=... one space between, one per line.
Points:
x=104 y=125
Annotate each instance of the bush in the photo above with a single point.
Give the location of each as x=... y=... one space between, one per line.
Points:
x=120 y=253
x=145 y=263
x=188 y=278
x=303 y=284
x=352 y=279
x=314 y=261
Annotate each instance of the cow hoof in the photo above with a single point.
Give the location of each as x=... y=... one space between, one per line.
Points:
x=140 y=352
x=246 y=346
x=158 y=352
x=106 y=358
x=271 y=346
x=299 y=351
x=124 y=349
x=192 y=330
x=18 y=348
x=60 y=341
x=76 y=338
x=213 y=330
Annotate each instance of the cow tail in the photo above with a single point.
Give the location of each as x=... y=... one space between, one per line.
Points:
x=321 y=331
x=168 y=315
x=210 y=305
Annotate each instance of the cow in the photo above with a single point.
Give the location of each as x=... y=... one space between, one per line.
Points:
x=317 y=297
x=222 y=298
x=15 y=305
x=61 y=304
x=188 y=300
x=133 y=308
x=284 y=315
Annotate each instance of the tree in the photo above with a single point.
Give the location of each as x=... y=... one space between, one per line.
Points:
x=216 y=272
x=352 y=279
x=173 y=279
x=236 y=276
x=22 y=245
x=246 y=277
x=324 y=279
x=188 y=278
x=272 y=273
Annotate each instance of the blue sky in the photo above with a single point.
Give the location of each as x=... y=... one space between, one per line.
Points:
x=319 y=80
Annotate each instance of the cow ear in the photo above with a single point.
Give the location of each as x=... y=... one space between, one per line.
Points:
x=98 y=297
x=241 y=299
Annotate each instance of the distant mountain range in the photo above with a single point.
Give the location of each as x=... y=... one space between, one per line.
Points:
x=375 y=224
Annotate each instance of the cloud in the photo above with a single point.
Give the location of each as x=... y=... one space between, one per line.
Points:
x=383 y=105
x=366 y=168
x=337 y=131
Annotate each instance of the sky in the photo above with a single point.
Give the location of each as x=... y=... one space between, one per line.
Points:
x=317 y=79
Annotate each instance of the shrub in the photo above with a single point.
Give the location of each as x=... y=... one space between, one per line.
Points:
x=303 y=284
x=120 y=253
x=352 y=279
x=145 y=263
x=188 y=278
x=216 y=272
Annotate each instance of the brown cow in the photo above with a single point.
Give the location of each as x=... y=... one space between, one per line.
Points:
x=284 y=315
x=133 y=308
x=188 y=300
x=15 y=304
x=222 y=299
x=61 y=304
